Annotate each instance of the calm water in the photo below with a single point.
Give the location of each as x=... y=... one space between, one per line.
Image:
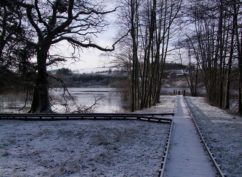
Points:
x=109 y=100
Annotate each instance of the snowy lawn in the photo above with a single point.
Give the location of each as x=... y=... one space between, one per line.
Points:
x=223 y=133
x=81 y=148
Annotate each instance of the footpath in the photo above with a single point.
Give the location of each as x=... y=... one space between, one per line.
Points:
x=186 y=158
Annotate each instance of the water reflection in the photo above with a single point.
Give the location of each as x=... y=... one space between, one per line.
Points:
x=110 y=100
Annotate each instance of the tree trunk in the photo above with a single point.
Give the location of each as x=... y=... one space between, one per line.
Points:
x=240 y=71
x=227 y=96
x=240 y=99
x=41 y=103
x=238 y=34
x=135 y=69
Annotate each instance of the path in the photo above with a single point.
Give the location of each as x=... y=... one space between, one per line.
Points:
x=187 y=157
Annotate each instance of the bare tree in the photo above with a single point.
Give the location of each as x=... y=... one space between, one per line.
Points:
x=150 y=23
x=192 y=70
x=213 y=44
x=54 y=21
x=237 y=31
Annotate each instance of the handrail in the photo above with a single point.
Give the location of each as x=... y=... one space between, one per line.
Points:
x=149 y=117
x=87 y=114
x=152 y=117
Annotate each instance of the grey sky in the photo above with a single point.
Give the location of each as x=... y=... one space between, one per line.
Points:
x=91 y=59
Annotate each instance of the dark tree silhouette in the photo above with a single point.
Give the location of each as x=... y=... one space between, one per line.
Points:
x=54 y=21
x=11 y=33
x=216 y=44
x=151 y=24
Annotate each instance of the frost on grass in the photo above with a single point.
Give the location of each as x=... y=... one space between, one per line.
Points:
x=166 y=105
x=223 y=133
x=81 y=148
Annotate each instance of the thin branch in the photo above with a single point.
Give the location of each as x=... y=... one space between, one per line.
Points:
x=29 y=15
x=40 y=16
x=87 y=45
x=52 y=61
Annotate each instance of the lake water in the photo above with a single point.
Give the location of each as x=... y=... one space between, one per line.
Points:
x=110 y=100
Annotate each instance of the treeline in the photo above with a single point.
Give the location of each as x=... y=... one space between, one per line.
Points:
x=70 y=79
x=210 y=32
x=214 y=48
x=13 y=81
x=174 y=66
x=144 y=51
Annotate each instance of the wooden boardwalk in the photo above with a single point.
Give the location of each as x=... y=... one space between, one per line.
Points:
x=187 y=157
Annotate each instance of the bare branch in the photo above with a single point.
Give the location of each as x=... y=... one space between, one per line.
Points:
x=55 y=60
x=87 y=45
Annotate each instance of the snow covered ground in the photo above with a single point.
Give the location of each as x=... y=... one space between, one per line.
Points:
x=84 y=148
x=81 y=148
x=223 y=133
x=166 y=105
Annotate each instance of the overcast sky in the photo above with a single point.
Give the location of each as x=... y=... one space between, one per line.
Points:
x=91 y=59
